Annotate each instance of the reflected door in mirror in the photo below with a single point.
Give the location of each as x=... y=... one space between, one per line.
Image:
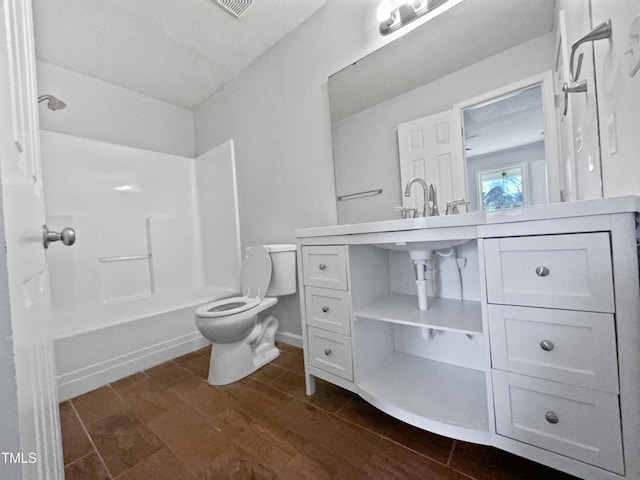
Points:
x=431 y=148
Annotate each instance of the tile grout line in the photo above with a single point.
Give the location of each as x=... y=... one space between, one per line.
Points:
x=471 y=477
x=116 y=393
x=79 y=458
x=176 y=363
x=95 y=449
x=453 y=447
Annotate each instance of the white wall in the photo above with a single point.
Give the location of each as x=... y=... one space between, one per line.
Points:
x=277 y=112
x=619 y=96
x=107 y=112
x=365 y=144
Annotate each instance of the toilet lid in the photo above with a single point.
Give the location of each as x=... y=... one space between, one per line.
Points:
x=256 y=272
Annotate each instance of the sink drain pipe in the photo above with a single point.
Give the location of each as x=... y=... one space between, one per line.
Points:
x=420 y=260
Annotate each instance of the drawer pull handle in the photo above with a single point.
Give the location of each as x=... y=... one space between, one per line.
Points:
x=327 y=351
x=322 y=266
x=551 y=417
x=542 y=271
x=325 y=309
x=546 y=345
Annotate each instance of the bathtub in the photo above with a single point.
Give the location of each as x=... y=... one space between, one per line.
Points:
x=132 y=335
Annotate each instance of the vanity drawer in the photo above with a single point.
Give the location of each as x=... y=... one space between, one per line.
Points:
x=565 y=346
x=325 y=266
x=330 y=352
x=577 y=422
x=557 y=271
x=328 y=309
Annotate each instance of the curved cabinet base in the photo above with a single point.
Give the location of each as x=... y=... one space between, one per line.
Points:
x=435 y=396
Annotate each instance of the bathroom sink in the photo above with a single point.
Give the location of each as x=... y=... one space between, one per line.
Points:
x=422 y=246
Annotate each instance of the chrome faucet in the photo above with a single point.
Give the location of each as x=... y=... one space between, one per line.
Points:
x=433 y=201
x=452 y=206
x=430 y=207
x=425 y=189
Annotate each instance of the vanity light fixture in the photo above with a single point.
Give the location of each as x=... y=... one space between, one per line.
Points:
x=410 y=11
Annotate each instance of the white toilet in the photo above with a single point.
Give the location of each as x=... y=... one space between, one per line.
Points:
x=242 y=335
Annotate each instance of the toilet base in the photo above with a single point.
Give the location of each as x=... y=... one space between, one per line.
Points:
x=260 y=359
x=232 y=362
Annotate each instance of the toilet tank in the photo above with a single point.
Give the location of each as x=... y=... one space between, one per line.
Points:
x=283 y=269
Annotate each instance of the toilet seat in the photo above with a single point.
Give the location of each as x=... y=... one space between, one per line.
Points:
x=254 y=281
x=226 y=307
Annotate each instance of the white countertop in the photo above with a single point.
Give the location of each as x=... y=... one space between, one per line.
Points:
x=600 y=206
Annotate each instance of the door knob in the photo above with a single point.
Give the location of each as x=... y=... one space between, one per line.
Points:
x=67 y=236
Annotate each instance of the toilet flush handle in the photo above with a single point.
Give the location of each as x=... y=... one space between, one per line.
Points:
x=67 y=236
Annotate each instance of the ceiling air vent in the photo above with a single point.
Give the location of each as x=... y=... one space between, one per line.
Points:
x=237 y=8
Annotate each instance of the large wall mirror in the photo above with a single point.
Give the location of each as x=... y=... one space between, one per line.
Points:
x=474 y=87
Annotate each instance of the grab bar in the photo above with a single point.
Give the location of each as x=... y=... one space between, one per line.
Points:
x=366 y=193
x=600 y=32
x=125 y=258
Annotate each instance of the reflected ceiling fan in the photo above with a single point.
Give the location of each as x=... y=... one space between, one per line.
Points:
x=467 y=138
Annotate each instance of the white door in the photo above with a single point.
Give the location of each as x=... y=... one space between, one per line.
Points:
x=28 y=318
x=431 y=148
x=582 y=108
x=565 y=123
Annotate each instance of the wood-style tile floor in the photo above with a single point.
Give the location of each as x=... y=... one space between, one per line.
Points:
x=169 y=423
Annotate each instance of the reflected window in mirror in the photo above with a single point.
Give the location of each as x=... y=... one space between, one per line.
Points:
x=502 y=188
x=505 y=151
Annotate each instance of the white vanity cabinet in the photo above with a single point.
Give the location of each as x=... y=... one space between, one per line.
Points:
x=327 y=329
x=544 y=364
x=555 y=369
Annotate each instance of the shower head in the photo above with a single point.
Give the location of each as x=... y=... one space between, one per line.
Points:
x=52 y=102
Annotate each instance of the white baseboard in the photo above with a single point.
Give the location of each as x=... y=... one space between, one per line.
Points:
x=289 y=339
x=81 y=381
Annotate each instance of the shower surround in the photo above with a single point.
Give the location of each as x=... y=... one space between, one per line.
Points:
x=157 y=236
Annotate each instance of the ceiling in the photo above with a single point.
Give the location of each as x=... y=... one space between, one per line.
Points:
x=179 y=51
x=513 y=120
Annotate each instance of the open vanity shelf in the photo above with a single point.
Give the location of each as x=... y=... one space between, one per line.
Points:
x=426 y=393
x=443 y=313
